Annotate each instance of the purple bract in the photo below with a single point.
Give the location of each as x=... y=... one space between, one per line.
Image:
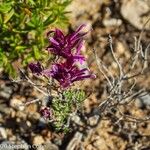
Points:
x=69 y=48
x=36 y=68
x=67 y=73
x=67 y=45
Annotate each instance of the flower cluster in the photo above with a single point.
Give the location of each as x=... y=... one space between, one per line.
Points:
x=46 y=112
x=69 y=48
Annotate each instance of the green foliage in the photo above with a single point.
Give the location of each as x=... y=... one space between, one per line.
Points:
x=22 y=26
x=64 y=105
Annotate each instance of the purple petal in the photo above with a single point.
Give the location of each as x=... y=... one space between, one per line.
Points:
x=46 y=112
x=47 y=72
x=59 y=33
x=79 y=46
x=53 y=41
x=79 y=58
x=77 y=31
x=36 y=68
x=80 y=28
x=84 y=77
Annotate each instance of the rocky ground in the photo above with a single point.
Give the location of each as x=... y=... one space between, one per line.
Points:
x=123 y=20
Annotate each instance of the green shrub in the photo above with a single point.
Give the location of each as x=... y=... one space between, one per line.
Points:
x=22 y=26
x=65 y=104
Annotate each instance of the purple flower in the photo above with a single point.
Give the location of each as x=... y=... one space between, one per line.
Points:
x=36 y=68
x=45 y=112
x=69 y=47
x=64 y=45
x=67 y=73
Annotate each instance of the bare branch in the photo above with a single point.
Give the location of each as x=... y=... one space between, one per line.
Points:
x=122 y=90
x=100 y=66
x=115 y=58
x=145 y=65
x=33 y=84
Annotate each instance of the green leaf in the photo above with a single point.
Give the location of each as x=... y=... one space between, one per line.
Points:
x=8 y=16
x=32 y=2
x=31 y=25
x=10 y=70
x=27 y=59
x=21 y=47
x=35 y=21
x=1 y=20
x=3 y=59
x=36 y=52
x=5 y=7
x=49 y=20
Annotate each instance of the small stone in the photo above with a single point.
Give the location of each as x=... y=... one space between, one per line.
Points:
x=89 y=147
x=34 y=117
x=4 y=109
x=143 y=101
x=112 y=22
x=38 y=140
x=100 y=143
x=3 y=133
x=93 y=120
x=5 y=91
x=28 y=123
x=77 y=120
x=32 y=108
x=21 y=107
x=136 y=12
x=17 y=102
x=19 y=114
x=82 y=10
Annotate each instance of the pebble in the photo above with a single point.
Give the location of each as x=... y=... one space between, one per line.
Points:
x=93 y=120
x=3 y=134
x=38 y=140
x=136 y=12
x=4 y=109
x=5 y=91
x=143 y=101
x=83 y=10
x=112 y=22
x=100 y=143
x=76 y=119
x=17 y=103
